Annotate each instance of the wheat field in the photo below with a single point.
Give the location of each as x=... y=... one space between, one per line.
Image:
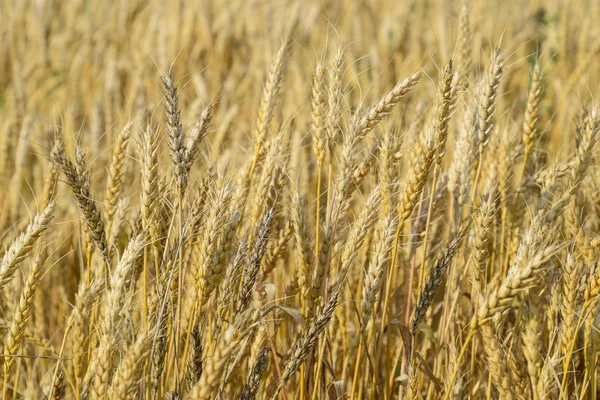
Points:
x=299 y=199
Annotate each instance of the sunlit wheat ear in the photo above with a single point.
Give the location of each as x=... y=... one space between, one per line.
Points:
x=78 y=182
x=159 y=343
x=413 y=392
x=358 y=233
x=591 y=288
x=482 y=229
x=547 y=386
x=518 y=374
x=276 y=250
x=487 y=102
x=319 y=102
x=198 y=207
x=23 y=244
x=197 y=135
x=417 y=177
x=571 y=276
x=303 y=243
x=335 y=97
x=587 y=136
x=531 y=338
x=229 y=286
x=208 y=271
x=530 y=121
x=118 y=225
x=114 y=301
x=308 y=339
x=465 y=150
x=268 y=100
x=130 y=369
x=269 y=184
x=384 y=106
x=464 y=44
x=175 y=135
x=253 y=262
x=149 y=175
x=115 y=173
x=78 y=337
x=233 y=351
x=14 y=337
x=119 y=280
x=436 y=277
x=375 y=275
x=497 y=363
x=523 y=273
x=389 y=166
x=445 y=104
x=51 y=180
x=97 y=377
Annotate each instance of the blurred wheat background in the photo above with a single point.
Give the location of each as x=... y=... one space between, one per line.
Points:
x=262 y=199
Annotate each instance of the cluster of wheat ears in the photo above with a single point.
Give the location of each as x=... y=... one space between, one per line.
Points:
x=299 y=200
